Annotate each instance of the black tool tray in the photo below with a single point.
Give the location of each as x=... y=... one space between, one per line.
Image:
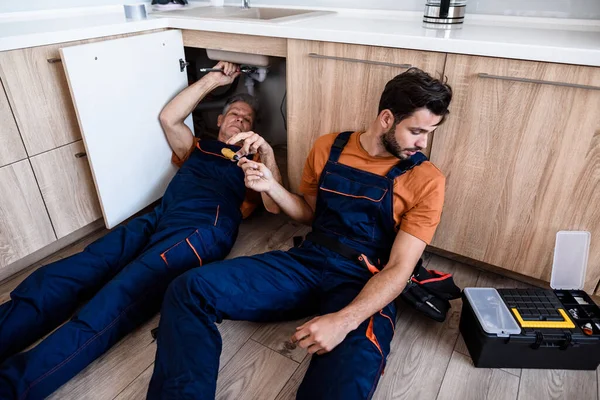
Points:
x=536 y=347
x=555 y=328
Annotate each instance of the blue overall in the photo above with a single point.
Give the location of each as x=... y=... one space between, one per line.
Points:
x=124 y=275
x=353 y=206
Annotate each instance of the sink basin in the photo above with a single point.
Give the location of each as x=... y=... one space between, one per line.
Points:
x=268 y=13
x=237 y=13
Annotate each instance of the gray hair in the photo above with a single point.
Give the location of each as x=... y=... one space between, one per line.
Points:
x=246 y=98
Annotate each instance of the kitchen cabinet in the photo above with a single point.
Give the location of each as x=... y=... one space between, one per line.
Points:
x=24 y=223
x=37 y=89
x=66 y=184
x=36 y=85
x=12 y=148
x=333 y=87
x=34 y=89
x=521 y=153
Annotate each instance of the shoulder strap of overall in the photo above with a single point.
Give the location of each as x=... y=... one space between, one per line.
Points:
x=338 y=145
x=406 y=165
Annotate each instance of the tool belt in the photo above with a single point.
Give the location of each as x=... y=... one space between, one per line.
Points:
x=428 y=291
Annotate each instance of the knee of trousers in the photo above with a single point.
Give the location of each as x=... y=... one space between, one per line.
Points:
x=184 y=292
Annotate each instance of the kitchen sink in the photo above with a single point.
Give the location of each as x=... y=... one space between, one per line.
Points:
x=268 y=13
x=237 y=13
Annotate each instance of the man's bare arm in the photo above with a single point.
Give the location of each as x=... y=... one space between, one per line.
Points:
x=299 y=208
x=385 y=286
x=268 y=158
x=179 y=136
x=261 y=179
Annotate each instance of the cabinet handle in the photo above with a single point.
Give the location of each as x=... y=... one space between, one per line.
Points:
x=183 y=64
x=79 y=155
x=539 y=81
x=54 y=60
x=315 y=55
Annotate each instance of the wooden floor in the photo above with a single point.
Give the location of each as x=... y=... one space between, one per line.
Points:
x=428 y=360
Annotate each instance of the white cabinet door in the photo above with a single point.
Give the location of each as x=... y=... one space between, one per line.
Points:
x=119 y=88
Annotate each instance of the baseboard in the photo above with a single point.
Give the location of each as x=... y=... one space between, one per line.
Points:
x=21 y=264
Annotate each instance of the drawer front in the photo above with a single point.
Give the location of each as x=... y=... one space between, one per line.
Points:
x=24 y=223
x=37 y=88
x=67 y=187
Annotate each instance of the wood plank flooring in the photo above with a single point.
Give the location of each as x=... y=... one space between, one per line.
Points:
x=428 y=360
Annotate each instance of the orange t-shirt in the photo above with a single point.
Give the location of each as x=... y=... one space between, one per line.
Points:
x=418 y=193
x=252 y=198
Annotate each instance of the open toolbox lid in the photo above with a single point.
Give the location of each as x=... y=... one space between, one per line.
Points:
x=570 y=260
x=491 y=311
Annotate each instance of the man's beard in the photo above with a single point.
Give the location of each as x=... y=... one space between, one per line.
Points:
x=391 y=145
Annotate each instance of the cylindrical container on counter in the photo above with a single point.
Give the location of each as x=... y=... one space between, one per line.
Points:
x=444 y=13
x=135 y=11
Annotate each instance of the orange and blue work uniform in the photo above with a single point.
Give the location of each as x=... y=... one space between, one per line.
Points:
x=355 y=209
x=124 y=275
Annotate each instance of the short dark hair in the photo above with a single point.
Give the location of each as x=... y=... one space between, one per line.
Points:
x=246 y=98
x=414 y=89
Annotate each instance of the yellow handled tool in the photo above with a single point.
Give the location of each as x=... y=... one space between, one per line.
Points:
x=230 y=154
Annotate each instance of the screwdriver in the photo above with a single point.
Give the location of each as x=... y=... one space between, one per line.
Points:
x=230 y=153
